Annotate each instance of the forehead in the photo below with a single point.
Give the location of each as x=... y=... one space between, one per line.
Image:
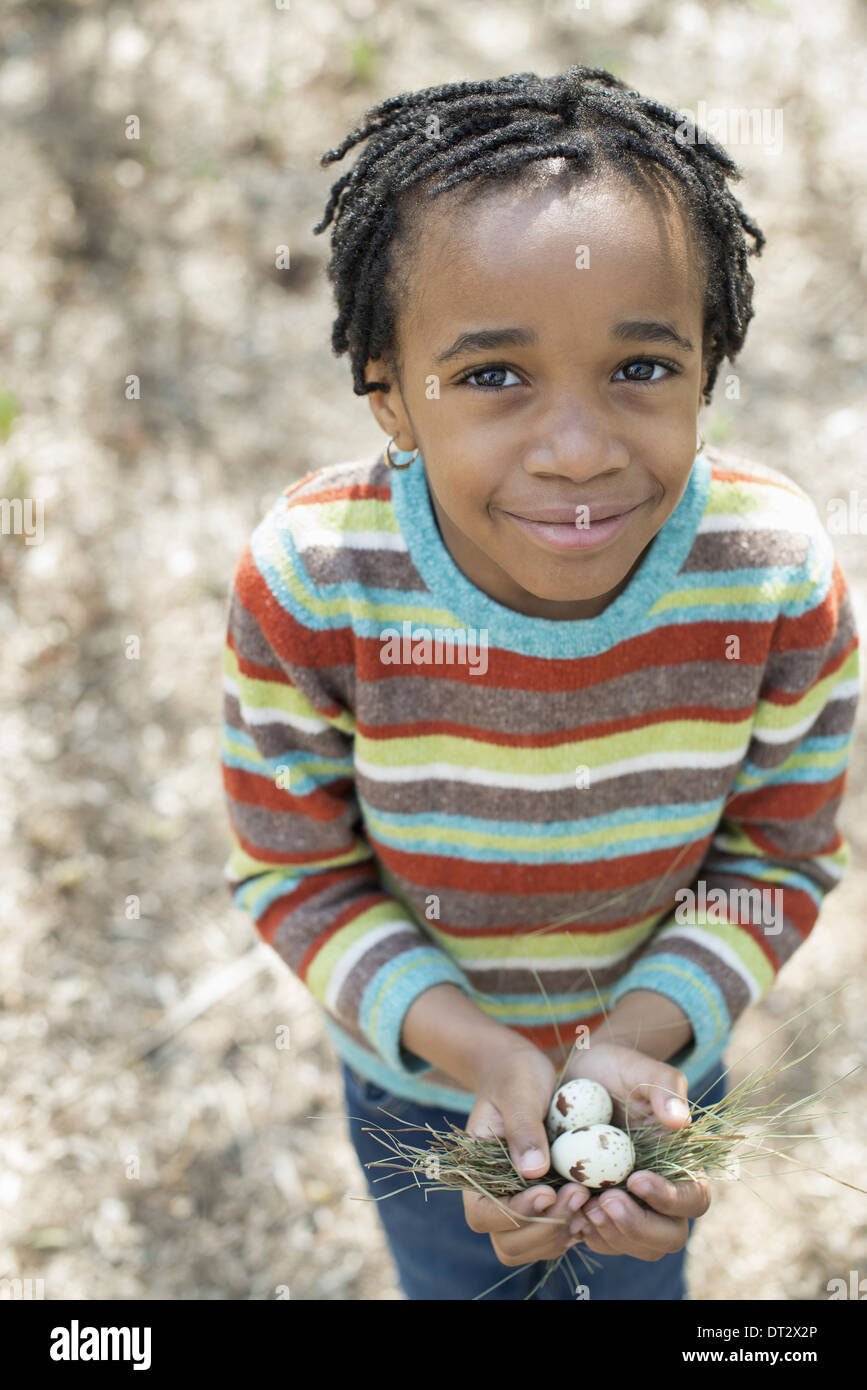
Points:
x=513 y=251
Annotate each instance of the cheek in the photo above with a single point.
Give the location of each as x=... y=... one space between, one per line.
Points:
x=465 y=491
x=669 y=466
x=674 y=480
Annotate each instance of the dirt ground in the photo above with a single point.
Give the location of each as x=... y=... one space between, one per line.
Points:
x=154 y=1142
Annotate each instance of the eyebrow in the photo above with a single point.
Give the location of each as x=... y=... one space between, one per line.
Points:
x=485 y=339
x=652 y=331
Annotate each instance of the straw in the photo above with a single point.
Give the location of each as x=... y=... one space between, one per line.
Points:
x=716 y=1142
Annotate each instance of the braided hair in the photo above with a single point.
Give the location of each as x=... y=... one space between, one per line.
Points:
x=426 y=142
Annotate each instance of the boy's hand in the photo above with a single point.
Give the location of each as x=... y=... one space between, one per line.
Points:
x=657 y=1224
x=514 y=1090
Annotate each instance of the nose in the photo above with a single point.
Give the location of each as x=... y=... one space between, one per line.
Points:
x=574 y=439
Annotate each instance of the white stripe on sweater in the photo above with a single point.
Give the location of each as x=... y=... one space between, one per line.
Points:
x=347 y=962
x=554 y=781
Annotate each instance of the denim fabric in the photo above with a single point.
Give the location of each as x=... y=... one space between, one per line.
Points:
x=439 y=1257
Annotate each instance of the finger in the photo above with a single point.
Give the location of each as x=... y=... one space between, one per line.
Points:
x=483 y=1213
x=650 y=1086
x=525 y=1133
x=485 y=1120
x=669 y=1097
x=594 y=1234
x=600 y=1232
x=661 y=1100
x=593 y=1242
x=541 y=1240
x=638 y=1230
x=635 y=1112
x=685 y=1198
x=527 y=1139
x=490 y=1215
x=595 y=1216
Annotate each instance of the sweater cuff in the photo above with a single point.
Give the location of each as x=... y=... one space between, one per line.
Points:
x=701 y=1000
x=390 y=992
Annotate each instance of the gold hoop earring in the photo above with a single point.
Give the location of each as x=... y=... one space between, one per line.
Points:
x=699 y=443
x=390 y=461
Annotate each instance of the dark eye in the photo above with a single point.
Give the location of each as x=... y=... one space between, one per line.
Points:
x=494 y=378
x=642 y=369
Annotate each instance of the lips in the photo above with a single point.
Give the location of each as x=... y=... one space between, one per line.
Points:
x=563 y=536
x=566 y=516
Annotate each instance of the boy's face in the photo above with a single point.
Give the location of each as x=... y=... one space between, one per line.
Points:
x=569 y=430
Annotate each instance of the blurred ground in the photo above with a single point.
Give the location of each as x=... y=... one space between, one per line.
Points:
x=191 y=1172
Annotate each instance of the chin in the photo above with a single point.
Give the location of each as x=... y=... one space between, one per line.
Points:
x=566 y=595
x=568 y=589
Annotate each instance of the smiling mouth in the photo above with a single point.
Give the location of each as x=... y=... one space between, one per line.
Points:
x=566 y=535
x=562 y=516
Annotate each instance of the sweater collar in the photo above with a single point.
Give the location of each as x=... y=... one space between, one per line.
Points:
x=627 y=616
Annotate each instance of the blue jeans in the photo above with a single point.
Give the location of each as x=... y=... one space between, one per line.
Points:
x=436 y=1253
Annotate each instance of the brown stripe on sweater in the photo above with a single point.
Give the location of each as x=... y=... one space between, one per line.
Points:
x=379 y=569
x=760 y=549
x=507 y=710
x=652 y=786
x=270 y=738
x=351 y=992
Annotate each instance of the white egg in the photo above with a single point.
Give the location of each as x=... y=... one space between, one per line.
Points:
x=597 y=1155
x=576 y=1104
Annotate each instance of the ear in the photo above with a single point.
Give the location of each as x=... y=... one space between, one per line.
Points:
x=387 y=406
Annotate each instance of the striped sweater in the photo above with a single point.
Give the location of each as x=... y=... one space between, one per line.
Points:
x=422 y=783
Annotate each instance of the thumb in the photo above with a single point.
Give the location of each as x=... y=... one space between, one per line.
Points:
x=669 y=1097
x=522 y=1109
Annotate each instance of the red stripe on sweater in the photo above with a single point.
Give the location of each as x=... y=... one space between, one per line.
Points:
x=545 y=1035
x=351 y=492
x=520 y=879
x=254 y=789
x=554 y=739
x=700 y=641
x=310 y=887
x=291 y=641
x=816 y=627
x=733 y=475
x=790 y=802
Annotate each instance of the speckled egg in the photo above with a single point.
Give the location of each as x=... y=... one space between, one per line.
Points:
x=576 y=1104
x=596 y=1155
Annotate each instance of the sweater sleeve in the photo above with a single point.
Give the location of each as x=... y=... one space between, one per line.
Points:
x=777 y=850
x=300 y=864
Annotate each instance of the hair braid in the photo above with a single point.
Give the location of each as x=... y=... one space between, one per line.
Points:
x=492 y=130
